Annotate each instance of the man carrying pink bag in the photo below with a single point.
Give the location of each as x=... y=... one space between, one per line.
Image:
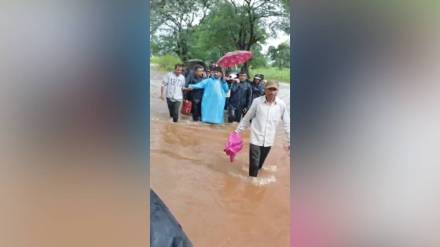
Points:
x=263 y=117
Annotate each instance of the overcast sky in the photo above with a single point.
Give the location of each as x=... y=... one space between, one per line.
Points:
x=281 y=37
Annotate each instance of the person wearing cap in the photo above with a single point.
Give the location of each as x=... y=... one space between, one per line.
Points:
x=214 y=96
x=266 y=112
x=257 y=86
x=241 y=98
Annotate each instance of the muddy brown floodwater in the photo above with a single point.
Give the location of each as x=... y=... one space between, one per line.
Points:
x=213 y=199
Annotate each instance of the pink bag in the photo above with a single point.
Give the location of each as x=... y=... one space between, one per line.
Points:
x=234 y=145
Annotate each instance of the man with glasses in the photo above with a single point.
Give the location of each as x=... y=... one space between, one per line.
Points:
x=265 y=112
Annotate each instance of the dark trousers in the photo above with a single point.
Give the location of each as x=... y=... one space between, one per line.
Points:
x=173 y=108
x=257 y=156
x=196 y=109
x=234 y=114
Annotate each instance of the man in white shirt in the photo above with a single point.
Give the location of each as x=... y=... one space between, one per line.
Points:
x=173 y=82
x=265 y=114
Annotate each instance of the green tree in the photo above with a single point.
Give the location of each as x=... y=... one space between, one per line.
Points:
x=280 y=55
x=258 y=59
x=173 y=21
x=240 y=25
x=207 y=29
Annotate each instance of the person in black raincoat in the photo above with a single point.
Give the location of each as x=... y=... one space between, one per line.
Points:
x=257 y=86
x=196 y=95
x=229 y=79
x=240 y=99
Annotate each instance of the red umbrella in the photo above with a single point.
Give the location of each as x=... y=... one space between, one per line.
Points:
x=233 y=58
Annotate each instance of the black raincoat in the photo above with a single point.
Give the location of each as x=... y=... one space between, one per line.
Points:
x=240 y=100
x=257 y=90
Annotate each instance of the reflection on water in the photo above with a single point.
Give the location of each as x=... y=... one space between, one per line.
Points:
x=215 y=200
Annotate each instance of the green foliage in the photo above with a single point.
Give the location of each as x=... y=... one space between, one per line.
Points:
x=175 y=20
x=207 y=29
x=212 y=38
x=280 y=55
x=271 y=73
x=230 y=27
x=155 y=47
x=167 y=46
x=166 y=62
x=258 y=59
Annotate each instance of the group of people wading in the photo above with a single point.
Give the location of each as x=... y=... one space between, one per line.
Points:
x=253 y=104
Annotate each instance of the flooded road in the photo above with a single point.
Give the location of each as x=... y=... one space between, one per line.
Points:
x=213 y=199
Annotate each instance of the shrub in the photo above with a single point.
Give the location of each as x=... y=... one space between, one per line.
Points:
x=271 y=73
x=166 y=62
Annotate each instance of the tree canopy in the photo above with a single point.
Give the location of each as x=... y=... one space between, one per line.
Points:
x=206 y=29
x=280 y=55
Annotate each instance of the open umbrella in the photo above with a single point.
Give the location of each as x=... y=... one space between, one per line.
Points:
x=193 y=62
x=234 y=58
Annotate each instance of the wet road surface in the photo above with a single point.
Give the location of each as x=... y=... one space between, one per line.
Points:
x=214 y=200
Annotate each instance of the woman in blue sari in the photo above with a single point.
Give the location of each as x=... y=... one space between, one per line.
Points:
x=214 y=96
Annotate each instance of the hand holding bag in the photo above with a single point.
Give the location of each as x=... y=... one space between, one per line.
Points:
x=233 y=146
x=186 y=107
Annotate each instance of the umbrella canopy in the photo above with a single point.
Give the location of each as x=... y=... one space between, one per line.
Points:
x=192 y=62
x=234 y=58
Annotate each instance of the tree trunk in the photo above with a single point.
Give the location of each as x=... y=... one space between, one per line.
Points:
x=182 y=47
x=245 y=69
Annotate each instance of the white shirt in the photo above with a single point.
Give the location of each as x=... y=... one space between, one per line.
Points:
x=174 y=85
x=265 y=119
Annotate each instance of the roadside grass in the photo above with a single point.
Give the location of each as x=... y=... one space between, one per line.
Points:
x=271 y=73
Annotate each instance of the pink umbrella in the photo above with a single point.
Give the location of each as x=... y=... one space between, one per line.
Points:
x=234 y=58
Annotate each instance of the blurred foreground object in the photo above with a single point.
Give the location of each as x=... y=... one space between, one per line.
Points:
x=165 y=231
